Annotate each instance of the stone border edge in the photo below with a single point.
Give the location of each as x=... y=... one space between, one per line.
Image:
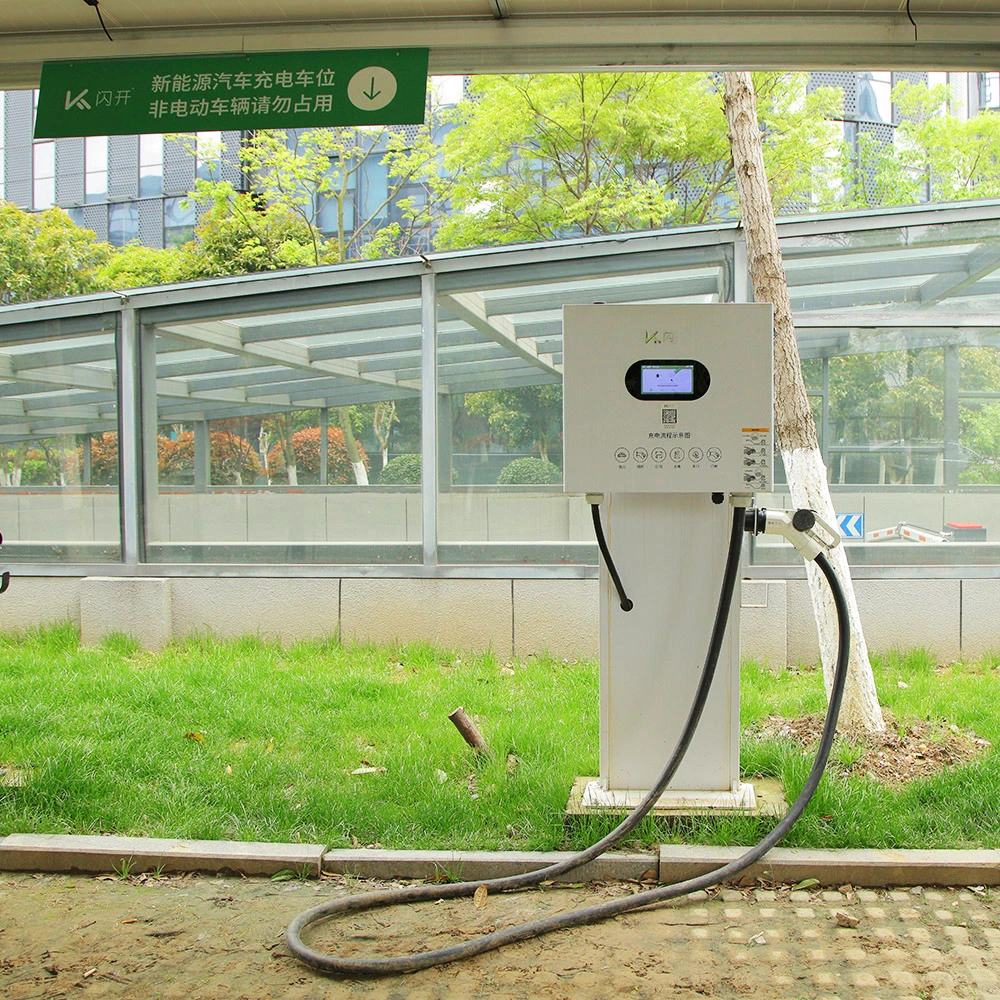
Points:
x=673 y=863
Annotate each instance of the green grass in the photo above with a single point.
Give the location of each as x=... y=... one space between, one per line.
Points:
x=245 y=740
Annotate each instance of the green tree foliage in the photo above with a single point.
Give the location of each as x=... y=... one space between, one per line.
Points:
x=545 y=156
x=305 y=181
x=45 y=255
x=527 y=417
x=137 y=266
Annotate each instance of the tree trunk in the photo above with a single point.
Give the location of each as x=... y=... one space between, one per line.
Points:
x=796 y=429
x=353 y=452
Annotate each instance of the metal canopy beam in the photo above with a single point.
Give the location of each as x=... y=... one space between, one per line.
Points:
x=978 y=264
x=224 y=336
x=470 y=307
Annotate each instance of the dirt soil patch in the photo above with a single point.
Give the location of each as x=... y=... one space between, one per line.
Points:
x=212 y=938
x=906 y=750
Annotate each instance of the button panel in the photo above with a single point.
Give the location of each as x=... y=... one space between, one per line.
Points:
x=693 y=457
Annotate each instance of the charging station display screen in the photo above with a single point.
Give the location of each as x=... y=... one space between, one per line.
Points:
x=654 y=380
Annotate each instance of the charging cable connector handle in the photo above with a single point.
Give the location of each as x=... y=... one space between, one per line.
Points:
x=798 y=526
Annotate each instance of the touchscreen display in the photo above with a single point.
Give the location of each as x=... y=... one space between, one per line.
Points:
x=656 y=379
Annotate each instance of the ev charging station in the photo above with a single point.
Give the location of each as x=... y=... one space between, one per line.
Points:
x=667 y=425
x=667 y=428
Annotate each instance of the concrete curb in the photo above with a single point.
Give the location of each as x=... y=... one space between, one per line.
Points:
x=675 y=863
x=59 y=853
x=472 y=866
x=859 y=868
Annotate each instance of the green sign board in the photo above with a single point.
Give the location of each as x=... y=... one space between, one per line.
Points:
x=238 y=92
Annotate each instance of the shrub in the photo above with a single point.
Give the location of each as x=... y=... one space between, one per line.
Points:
x=529 y=472
x=233 y=460
x=104 y=459
x=305 y=443
x=403 y=470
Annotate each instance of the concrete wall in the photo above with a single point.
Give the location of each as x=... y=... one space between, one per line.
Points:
x=255 y=517
x=951 y=618
x=383 y=516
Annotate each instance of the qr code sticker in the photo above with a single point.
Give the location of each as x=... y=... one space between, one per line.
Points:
x=669 y=415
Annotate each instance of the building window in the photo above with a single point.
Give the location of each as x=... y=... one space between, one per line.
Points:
x=179 y=218
x=328 y=210
x=989 y=91
x=375 y=191
x=123 y=223
x=76 y=214
x=150 y=165
x=95 y=164
x=208 y=156
x=44 y=174
x=875 y=97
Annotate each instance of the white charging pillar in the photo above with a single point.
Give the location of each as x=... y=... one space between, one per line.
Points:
x=667 y=415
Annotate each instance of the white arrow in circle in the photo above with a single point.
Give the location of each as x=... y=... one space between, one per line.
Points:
x=78 y=101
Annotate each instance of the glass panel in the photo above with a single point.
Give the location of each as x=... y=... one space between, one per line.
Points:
x=875 y=97
x=96 y=186
x=44 y=175
x=329 y=210
x=123 y=224
x=376 y=192
x=96 y=168
x=59 y=451
x=150 y=165
x=96 y=153
x=208 y=155
x=179 y=218
x=500 y=493
x=242 y=473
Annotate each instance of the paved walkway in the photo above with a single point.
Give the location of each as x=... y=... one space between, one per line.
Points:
x=200 y=938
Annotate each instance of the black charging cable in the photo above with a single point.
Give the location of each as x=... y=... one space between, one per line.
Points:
x=335 y=965
x=602 y=544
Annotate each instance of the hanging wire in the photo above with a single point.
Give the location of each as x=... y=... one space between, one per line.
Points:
x=96 y=4
x=910 y=16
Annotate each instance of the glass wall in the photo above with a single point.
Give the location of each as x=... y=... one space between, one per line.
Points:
x=499 y=369
x=59 y=445
x=287 y=437
x=900 y=357
x=279 y=420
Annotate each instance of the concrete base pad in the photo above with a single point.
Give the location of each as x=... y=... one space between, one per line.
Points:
x=767 y=795
x=58 y=853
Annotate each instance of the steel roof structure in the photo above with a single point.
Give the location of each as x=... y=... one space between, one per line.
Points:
x=476 y=36
x=475 y=320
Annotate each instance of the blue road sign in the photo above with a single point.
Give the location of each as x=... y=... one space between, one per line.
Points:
x=851 y=525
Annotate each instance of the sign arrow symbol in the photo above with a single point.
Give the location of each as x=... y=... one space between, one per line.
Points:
x=78 y=101
x=371 y=93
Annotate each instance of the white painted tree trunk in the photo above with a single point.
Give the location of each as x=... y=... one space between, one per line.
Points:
x=360 y=473
x=351 y=444
x=796 y=429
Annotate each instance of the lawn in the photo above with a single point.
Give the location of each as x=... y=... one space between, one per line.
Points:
x=347 y=745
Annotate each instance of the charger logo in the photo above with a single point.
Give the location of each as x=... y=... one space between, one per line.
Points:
x=658 y=337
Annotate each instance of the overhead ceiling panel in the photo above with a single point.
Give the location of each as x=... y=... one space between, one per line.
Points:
x=471 y=36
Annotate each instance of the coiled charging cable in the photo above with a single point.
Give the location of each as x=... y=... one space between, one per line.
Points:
x=335 y=965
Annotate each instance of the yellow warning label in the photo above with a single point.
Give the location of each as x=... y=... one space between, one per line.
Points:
x=756 y=430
